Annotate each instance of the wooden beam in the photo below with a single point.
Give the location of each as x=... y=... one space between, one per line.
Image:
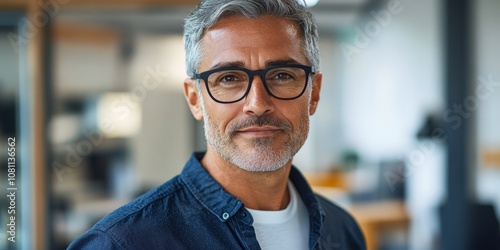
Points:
x=108 y=4
x=129 y=3
x=39 y=189
x=88 y=34
x=13 y=4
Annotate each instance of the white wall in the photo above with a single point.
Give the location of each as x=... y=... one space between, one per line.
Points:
x=488 y=118
x=86 y=68
x=166 y=139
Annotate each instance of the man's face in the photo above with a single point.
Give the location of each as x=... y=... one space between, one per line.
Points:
x=259 y=133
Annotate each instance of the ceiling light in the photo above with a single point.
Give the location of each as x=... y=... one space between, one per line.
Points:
x=311 y=3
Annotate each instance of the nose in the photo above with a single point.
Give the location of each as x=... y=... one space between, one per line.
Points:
x=258 y=101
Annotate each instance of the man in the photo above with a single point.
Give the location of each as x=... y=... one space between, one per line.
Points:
x=254 y=82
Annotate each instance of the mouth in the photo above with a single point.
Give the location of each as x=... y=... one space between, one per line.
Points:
x=265 y=131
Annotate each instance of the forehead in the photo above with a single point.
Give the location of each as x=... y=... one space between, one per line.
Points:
x=252 y=40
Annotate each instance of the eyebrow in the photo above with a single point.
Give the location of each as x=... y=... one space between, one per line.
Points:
x=240 y=64
x=236 y=64
x=281 y=62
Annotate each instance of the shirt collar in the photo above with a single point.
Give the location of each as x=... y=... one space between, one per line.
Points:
x=223 y=205
x=208 y=191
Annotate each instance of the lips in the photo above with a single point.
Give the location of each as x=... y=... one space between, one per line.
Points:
x=260 y=126
x=260 y=131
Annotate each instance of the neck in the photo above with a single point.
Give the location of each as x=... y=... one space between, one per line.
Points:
x=257 y=190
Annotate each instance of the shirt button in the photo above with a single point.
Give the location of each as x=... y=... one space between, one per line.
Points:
x=244 y=214
x=225 y=216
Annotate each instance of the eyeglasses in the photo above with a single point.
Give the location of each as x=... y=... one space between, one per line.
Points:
x=232 y=84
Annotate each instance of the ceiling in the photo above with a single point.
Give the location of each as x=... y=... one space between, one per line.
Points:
x=168 y=18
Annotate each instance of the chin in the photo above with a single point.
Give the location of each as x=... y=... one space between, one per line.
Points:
x=260 y=160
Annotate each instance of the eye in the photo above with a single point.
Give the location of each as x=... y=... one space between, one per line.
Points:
x=228 y=78
x=283 y=76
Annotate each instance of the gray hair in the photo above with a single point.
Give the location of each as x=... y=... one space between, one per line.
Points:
x=208 y=12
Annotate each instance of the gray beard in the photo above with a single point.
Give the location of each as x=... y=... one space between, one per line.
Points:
x=262 y=157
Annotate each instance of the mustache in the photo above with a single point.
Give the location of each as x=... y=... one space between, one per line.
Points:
x=263 y=120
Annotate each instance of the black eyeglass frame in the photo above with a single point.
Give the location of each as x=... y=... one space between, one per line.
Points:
x=309 y=70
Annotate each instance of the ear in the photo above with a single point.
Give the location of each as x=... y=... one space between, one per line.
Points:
x=191 y=94
x=316 y=88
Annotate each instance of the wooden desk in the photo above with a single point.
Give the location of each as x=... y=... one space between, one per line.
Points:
x=372 y=217
x=375 y=217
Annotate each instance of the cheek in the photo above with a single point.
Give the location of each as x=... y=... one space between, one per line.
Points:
x=296 y=115
x=221 y=115
x=301 y=121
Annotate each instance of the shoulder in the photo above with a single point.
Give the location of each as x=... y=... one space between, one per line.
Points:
x=339 y=220
x=141 y=215
x=144 y=206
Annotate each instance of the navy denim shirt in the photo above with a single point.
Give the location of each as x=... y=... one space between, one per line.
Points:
x=192 y=211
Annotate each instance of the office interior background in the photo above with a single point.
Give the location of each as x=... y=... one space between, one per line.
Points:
x=406 y=136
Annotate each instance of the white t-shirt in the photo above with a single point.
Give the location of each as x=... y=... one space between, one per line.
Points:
x=284 y=229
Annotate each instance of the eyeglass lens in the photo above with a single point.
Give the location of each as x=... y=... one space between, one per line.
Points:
x=232 y=85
